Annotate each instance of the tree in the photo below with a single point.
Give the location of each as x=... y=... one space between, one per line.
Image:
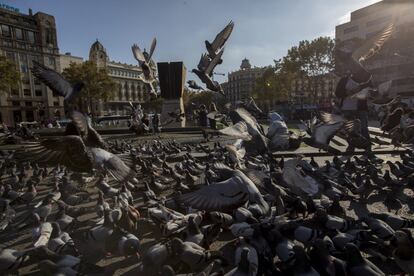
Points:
x=9 y=76
x=97 y=84
x=272 y=86
x=310 y=61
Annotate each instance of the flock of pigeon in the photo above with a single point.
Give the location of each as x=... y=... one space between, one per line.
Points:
x=181 y=209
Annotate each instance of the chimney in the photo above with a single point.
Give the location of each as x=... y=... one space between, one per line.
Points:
x=30 y=12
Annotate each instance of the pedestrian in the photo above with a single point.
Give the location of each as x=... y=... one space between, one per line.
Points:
x=202 y=116
x=145 y=122
x=155 y=123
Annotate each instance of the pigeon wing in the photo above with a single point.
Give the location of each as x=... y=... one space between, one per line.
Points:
x=69 y=151
x=152 y=49
x=203 y=63
x=219 y=196
x=213 y=63
x=325 y=132
x=373 y=45
x=329 y=118
x=118 y=169
x=223 y=170
x=352 y=126
x=238 y=130
x=52 y=79
x=94 y=139
x=222 y=36
x=138 y=55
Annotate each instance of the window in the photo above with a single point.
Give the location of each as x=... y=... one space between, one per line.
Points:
x=351 y=29
x=27 y=92
x=29 y=104
x=50 y=36
x=31 y=37
x=29 y=115
x=7 y=43
x=33 y=58
x=38 y=93
x=15 y=92
x=51 y=61
x=24 y=68
x=55 y=103
x=15 y=103
x=19 y=33
x=5 y=31
x=21 y=45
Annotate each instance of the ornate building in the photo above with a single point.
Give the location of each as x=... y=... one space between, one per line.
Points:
x=313 y=92
x=240 y=83
x=24 y=38
x=131 y=87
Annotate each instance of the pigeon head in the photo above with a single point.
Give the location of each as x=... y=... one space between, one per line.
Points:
x=167 y=271
x=320 y=246
x=131 y=247
x=295 y=141
x=193 y=226
x=55 y=230
x=329 y=244
x=244 y=260
x=36 y=219
x=402 y=237
x=177 y=246
x=300 y=254
x=353 y=255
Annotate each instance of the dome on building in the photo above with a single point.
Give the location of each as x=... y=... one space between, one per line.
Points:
x=97 y=53
x=245 y=64
x=97 y=46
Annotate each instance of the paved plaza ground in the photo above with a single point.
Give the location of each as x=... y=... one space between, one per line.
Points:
x=121 y=266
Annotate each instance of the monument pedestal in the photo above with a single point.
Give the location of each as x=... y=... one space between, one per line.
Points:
x=172 y=105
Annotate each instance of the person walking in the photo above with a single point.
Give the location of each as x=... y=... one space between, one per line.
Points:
x=202 y=116
x=155 y=123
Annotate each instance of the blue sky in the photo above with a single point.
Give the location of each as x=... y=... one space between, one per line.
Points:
x=264 y=29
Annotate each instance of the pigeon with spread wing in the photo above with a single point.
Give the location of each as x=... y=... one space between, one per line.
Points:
x=259 y=143
x=82 y=149
x=322 y=131
x=353 y=57
x=219 y=41
x=205 y=70
x=56 y=82
x=192 y=84
x=144 y=61
x=229 y=194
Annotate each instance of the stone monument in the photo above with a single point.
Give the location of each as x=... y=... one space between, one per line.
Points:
x=171 y=76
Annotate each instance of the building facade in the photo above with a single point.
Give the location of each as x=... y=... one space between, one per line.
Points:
x=395 y=61
x=313 y=92
x=24 y=38
x=240 y=84
x=127 y=76
x=66 y=59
